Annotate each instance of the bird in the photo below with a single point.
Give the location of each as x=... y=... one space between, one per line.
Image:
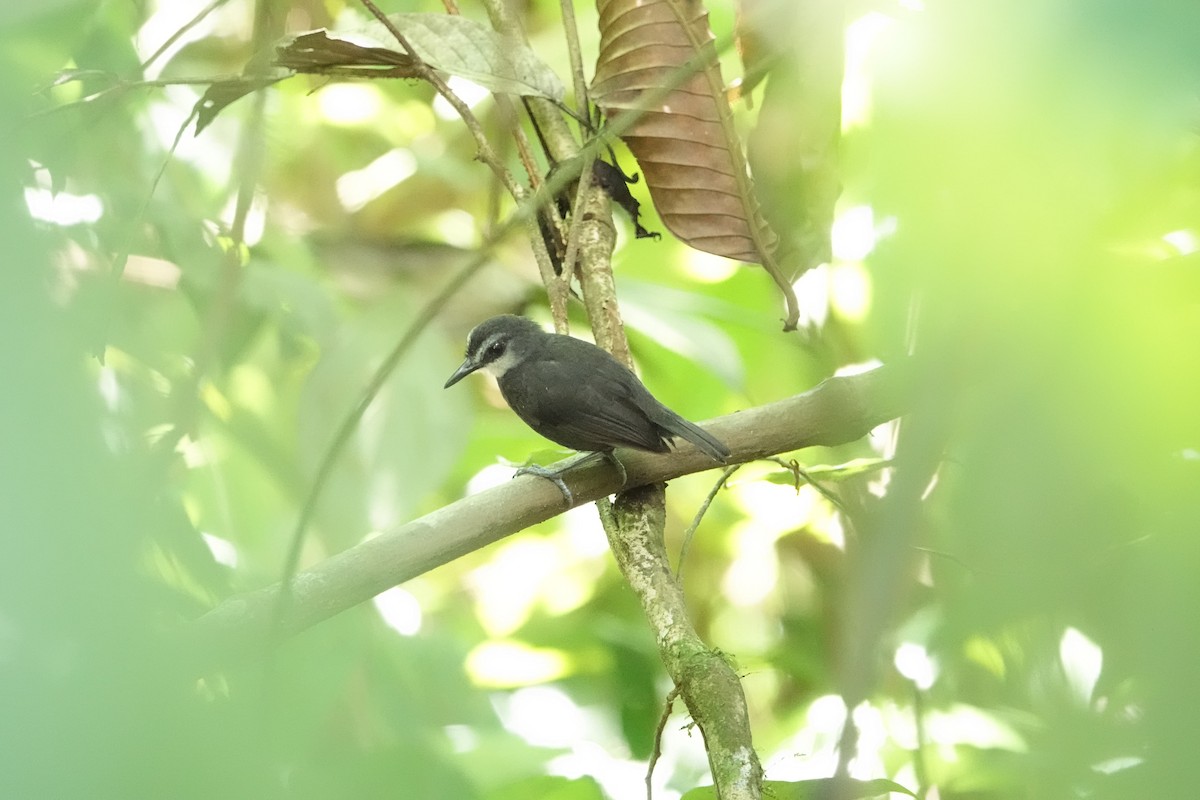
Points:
x=576 y=395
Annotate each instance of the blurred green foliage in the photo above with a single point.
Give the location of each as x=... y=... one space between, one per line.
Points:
x=1023 y=581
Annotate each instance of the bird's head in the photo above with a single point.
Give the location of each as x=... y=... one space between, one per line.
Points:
x=496 y=345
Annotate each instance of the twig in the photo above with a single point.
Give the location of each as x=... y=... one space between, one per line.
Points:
x=556 y=290
x=558 y=284
x=794 y=467
x=247 y=167
x=187 y=26
x=575 y=54
x=588 y=159
x=658 y=732
x=485 y=152
x=920 y=767
x=122 y=257
x=726 y=474
x=524 y=151
x=847 y=743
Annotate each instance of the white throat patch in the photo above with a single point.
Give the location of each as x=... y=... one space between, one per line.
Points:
x=502 y=364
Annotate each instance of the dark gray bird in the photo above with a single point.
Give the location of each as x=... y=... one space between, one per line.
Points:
x=575 y=394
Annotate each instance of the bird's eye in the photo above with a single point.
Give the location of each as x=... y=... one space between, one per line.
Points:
x=495 y=350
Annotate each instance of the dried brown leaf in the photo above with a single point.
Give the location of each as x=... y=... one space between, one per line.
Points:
x=658 y=72
x=222 y=93
x=318 y=52
x=448 y=43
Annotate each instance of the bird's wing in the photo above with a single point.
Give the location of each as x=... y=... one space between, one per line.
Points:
x=598 y=408
x=663 y=422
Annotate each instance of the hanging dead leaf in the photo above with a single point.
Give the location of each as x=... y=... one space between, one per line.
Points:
x=222 y=93
x=447 y=43
x=338 y=54
x=658 y=74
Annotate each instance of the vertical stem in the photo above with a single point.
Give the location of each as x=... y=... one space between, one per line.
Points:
x=707 y=683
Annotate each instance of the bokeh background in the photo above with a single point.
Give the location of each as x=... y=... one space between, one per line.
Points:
x=1014 y=612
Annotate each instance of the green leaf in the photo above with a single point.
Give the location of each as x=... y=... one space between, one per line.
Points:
x=832 y=472
x=474 y=51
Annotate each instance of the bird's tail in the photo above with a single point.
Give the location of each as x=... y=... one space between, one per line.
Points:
x=713 y=447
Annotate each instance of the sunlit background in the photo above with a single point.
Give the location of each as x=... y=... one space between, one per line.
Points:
x=1005 y=606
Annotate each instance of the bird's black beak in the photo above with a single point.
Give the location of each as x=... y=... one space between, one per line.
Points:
x=464 y=369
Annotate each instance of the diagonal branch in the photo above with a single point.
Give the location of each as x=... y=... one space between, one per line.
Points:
x=837 y=411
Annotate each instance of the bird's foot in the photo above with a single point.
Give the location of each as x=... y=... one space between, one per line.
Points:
x=611 y=457
x=552 y=475
x=555 y=474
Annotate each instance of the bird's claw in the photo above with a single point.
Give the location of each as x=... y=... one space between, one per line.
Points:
x=611 y=457
x=552 y=475
x=555 y=475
